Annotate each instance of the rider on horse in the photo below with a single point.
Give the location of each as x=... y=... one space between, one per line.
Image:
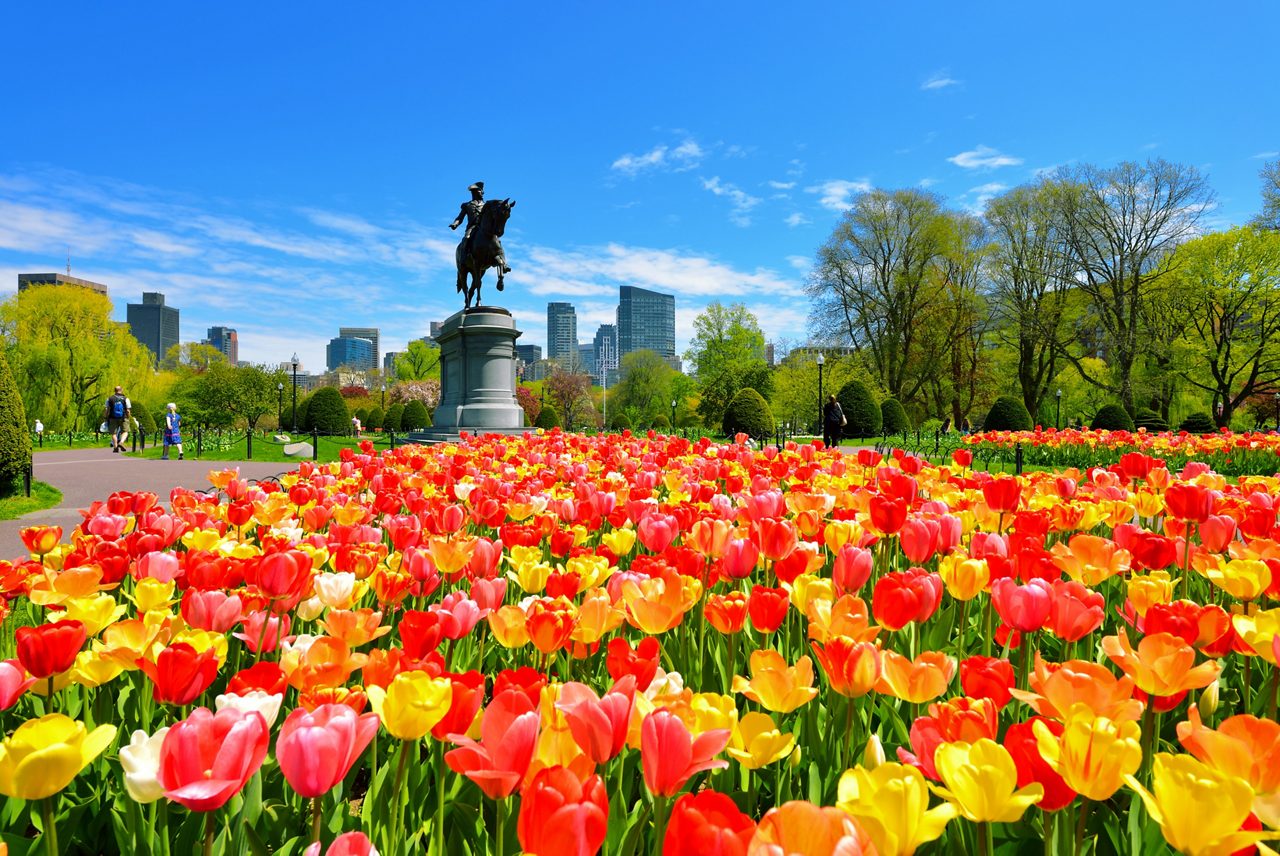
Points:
x=470 y=212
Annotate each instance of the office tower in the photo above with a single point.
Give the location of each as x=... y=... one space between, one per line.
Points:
x=351 y=352
x=647 y=321
x=528 y=354
x=368 y=333
x=389 y=362
x=436 y=327
x=562 y=334
x=587 y=360
x=26 y=280
x=606 y=354
x=225 y=340
x=153 y=324
x=768 y=354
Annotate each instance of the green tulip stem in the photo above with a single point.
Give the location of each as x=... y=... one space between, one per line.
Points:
x=660 y=807
x=396 y=794
x=984 y=838
x=48 y=699
x=317 y=815
x=50 y=823
x=439 y=828
x=501 y=806
x=209 y=828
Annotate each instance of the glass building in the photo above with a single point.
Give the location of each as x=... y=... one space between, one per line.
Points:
x=350 y=352
x=562 y=334
x=153 y=324
x=646 y=321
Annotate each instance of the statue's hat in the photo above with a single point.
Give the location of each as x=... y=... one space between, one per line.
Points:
x=479 y=185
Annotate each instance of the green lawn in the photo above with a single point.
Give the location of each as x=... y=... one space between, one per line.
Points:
x=42 y=496
x=264 y=449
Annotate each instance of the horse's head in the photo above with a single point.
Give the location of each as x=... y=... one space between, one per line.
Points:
x=497 y=212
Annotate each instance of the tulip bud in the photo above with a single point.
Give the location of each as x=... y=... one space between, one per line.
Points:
x=873 y=754
x=1208 y=702
x=793 y=760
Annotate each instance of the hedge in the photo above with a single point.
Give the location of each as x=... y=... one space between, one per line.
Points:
x=15 y=441
x=415 y=417
x=547 y=418
x=1198 y=423
x=862 y=415
x=1112 y=417
x=748 y=413
x=327 y=412
x=1008 y=414
x=894 y=416
x=395 y=414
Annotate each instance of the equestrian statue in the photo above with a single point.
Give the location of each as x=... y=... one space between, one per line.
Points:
x=481 y=244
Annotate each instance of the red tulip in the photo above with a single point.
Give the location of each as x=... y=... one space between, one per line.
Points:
x=213 y=610
x=905 y=596
x=458 y=615
x=726 y=612
x=508 y=735
x=420 y=633
x=1020 y=741
x=464 y=703
x=778 y=538
x=987 y=677
x=180 y=673
x=740 y=558
x=599 y=724
x=670 y=755
x=346 y=844
x=707 y=823
x=919 y=539
x=207 y=758
x=852 y=569
x=887 y=515
x=49 y=649
x=265 y=676
x=561 y=815
x=1002 y=495
x=767 y=608
x=1076 y=612
x=1217 y=532
x=1188 y=501
x=525 y=680
x=962 y=458
x=316 y=750
x=14 y=681
x=1025 y=608
x=642 y=661
x=283 y=575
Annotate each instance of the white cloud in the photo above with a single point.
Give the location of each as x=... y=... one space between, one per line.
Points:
x=741 y=201
x=939 y=80
x=781 y=185
x=795 y=219
x=926 y=183
x=1265 y=155
x=685 y=156
x=800 y=263
x=834 y=194
x=983 y=157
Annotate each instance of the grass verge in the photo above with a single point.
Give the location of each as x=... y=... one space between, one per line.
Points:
x=263 y=450
x=42 y=496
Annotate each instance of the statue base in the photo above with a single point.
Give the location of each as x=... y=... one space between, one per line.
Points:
x=477 y=376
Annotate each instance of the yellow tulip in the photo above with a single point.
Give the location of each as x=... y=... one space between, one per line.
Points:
x=1094 y=753
x=43 y=755
x=964 y=578
x=775 y=685
x=95 y=613
x=807 y=589
x=1243 y=579
x=412 y=704
x=712 y=711
x=1147 y=591
x=1199 y=809
x=619 y=541
x=982 y=782
x=1258 y=630
x=757 y=741
x=508 y=626
x=891 y=802
x=592 y=570
x=530 y=576
x=151 y=595
x=93 y=669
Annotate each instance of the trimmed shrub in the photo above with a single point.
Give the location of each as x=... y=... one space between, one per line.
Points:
x=376 y=418
x=1198 y=423
x=1008 y=414
x=1112 y=417
x=861 y=413
x=15 y=442
x=660 y=423
x=620 y=422
x=748 y=413
x=301 y=421
x=547 y=418
x=327 y=412
x=146 y=421
x=362 y=414
x=395 y=413
x=893 y=417
x=415 y=417
x=1150 y=420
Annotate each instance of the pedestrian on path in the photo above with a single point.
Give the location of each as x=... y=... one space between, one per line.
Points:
x=172 y=431
x=118 y=412
x=833 y=420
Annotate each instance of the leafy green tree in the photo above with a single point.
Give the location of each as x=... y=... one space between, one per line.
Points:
x=420 y=362
x=288 y=418
x=1269 y=217
x=644 y=386
x=1198 y=423
x=548 y=418
x=727 y=351
x=327 y=412
x=15 y=441
x=376 y=417
x=243 y=392
x=194 y=357
x=415 y=417
x=395 y=414
x=862 y=415
x=748 y=413
x=146 y=419
x=570 y=393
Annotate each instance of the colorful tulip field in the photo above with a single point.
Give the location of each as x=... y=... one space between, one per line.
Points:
x=562 y=644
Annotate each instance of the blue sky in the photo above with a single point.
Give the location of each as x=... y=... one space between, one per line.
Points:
x=285 y=168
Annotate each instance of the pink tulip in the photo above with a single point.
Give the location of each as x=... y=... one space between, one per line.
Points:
x=346 y=844
x=670 y=755
x=740 y=558
x=657 y=531
x=488 y=593
x=316 y=749
x=207 y=758
x=599 y=724
x=108 y=527
x=213 y=610
x=14 y=681
x=159 y=566
x=276 y=628
x=1023 y=607
x=458 y=614
x=852 y=569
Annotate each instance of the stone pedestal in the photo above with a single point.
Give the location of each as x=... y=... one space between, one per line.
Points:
x=477 y=375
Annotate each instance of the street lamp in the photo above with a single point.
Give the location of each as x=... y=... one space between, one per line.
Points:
x=279 y=404
x=1057 y=413
x=384 y=396
x=821 y=360
x=673 y=415
x=295 y=392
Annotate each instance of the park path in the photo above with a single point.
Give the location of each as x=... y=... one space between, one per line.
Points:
x=86 y=475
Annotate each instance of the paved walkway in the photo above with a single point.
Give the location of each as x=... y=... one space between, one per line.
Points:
x=86 y=475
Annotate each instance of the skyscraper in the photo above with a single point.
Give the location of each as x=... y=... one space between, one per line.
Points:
x=351 y=352
x=368 y=333
x=606 y=342
x=562 y=334
x=225 y=340
x=153 y=324
x=647 y=321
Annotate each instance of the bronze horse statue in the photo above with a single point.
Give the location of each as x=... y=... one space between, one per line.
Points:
x=483 y=249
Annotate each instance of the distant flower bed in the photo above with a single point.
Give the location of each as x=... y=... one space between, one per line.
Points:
x=650 y=645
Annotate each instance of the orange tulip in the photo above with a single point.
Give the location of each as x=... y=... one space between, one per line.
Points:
x=848 y=616
x=508 y=626
x=1245 y=747
x=654 y=605
x=355 y=627
x=727 y=612
x=853 y=668
x=775 y=685
x=549 y=622
x=1094 y=753
x=597 y=615
x=1162 y=665
x=709 y=537
x=324 y=662
x=41 y=539
x=1056 y=687
x=916 y=681
x=451 y=555
x=803 y=828
x=1090 y=559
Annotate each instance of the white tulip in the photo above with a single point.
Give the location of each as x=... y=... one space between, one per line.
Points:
x=141 y=762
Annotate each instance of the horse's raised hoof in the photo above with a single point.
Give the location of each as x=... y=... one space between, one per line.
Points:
x=499 y=285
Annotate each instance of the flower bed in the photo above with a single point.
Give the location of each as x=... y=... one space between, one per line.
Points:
x=559 y=643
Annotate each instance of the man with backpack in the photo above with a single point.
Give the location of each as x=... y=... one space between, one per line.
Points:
x=118 y=412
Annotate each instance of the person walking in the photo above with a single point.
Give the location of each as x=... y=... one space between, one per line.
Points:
x=172 y=431
x=119 y=411
x=833 y=420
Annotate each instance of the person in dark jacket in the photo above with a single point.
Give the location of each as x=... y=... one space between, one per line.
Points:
x=833 y=422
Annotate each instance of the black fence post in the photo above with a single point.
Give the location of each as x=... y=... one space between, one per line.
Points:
x=27 y=476
x=68 y=438
x=199 y=441
x=248 y=439
x=937 y=442
x=393 y=440
x=315 y=444
x=1017 y=459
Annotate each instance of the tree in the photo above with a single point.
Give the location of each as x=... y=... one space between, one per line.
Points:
x=426 y=391
x=420 y=362
x=861 y=413
x=15 y=439
x=644 y=386
x=955 y=331
x=243 y=392
x=874 y=280
x=194 y=357
x=376 y=417
x=571 y=395
x=748 y=413
x=327 y=412
x=1008 y=413
x=1121 y=226
x=1269 y=217
x=1030 y=272
x=415 y=417
x=1232 y=282
x=395 y=414
x=727 y=351
x=66 y=354
x=1112 y=417
x=547 y=418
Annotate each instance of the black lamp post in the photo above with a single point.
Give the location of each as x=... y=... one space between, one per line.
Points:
x=279 y=405
x=295 y=393
x=821 y=360
x=384 y=396
x=1057 y=413
x=673 y=414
